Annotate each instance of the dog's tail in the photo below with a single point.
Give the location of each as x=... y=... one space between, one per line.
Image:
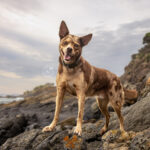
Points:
x=130 y=96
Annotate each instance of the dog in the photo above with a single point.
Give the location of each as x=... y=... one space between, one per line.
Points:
x=76 y=76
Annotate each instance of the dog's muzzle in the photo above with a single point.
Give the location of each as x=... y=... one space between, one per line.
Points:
x=68 y=56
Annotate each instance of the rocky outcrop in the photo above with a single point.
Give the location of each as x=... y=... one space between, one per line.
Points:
x=136 y=116
x=12 y=127
x=40 y=93
x=137 y=123
x=137 y=71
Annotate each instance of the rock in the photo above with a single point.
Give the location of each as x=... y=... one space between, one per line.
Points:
x=50 y=141
x=130 y=96
x=67 y=123
x=91 y=131
x=141 y=140
x=137 y=71
x=113 y=139
x=12 y=127
x=145 y=92
x=136 y=117
x=36 y=140
x=91 y=110
x=21 y=142
x=74 y=142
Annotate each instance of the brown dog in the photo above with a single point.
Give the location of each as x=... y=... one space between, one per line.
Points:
x=79 y=78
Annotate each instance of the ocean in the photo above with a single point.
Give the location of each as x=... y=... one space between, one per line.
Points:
x=8 y=100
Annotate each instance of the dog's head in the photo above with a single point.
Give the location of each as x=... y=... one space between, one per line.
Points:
x=70 y=46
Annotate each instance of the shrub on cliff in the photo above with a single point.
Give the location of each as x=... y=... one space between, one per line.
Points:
x=146 y=39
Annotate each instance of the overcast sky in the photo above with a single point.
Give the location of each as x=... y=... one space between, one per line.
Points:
x=29 y=36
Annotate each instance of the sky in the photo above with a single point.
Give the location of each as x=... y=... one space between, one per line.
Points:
x=29 y=37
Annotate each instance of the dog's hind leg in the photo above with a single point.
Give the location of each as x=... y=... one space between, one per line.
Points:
x=117 y=109
x=117 y=101
x=59 y=101
x=102 y=103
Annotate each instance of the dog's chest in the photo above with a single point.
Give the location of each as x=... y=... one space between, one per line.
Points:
x=74 y=82
x=71 y=87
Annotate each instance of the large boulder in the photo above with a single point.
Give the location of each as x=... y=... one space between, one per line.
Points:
x=136 y=117
x=12 y=127
x=113 y=139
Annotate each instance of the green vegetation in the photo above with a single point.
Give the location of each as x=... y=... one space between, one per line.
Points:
x=146 y=39
x=148 y=58
x=148 y=34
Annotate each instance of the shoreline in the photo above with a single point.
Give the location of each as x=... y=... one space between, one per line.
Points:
x=5 y=100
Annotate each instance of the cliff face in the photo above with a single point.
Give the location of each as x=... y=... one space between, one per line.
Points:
x=137 y=72
x=40 y=93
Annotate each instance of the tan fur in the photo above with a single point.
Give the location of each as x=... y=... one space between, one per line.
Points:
x=148 y=81
x=82 y=79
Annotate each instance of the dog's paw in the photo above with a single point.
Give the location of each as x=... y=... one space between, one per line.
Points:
x=48 y=128
x=78 y=131
x=125 y=135
x=103 y=130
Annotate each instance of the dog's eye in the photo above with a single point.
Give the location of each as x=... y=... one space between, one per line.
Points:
x=76 y=45
x=65 y=43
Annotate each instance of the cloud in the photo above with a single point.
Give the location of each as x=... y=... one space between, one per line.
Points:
x=27 y=45
x=21 y=5
x=18 y=86
x=25 y=55
x=113 y=49
x=21 y=64
x=9 y=74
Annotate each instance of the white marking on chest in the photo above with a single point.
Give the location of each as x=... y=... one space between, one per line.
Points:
x=70 y=84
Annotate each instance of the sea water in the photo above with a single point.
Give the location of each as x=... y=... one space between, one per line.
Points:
x=8 y=100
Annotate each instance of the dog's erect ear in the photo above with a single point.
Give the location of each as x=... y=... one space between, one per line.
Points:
x=85 y=39
x=63 y=30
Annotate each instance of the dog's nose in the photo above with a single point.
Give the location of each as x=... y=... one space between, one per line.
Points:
x=69 y=50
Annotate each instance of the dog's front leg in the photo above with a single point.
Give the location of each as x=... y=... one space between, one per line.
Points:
x=59 y=101
x=81 y=101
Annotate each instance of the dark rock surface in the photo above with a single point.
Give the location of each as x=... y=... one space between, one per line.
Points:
x=12 y=127
x=29 y=135
x=136 y=117
x=21 y=122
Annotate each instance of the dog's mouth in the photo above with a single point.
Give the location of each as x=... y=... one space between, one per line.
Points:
x=67 y=57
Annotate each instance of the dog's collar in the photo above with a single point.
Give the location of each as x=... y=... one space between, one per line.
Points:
x=73 y=65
